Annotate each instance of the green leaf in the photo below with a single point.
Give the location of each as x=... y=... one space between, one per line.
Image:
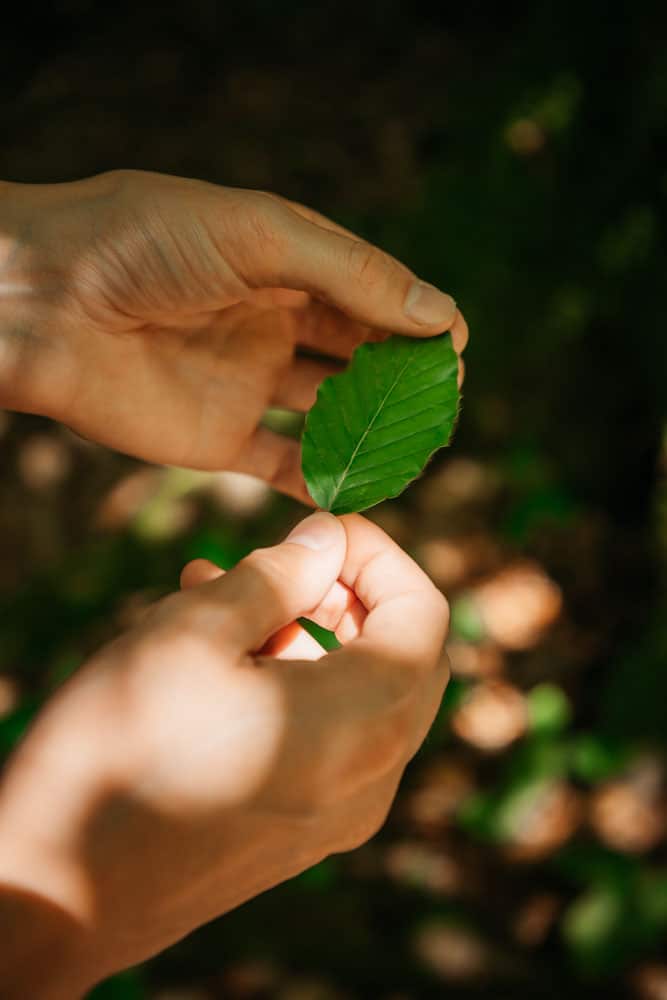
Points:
x=326 y=638
x=375 y=426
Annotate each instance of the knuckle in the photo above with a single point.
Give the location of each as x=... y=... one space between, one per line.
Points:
x=264 y=221
x=283 y=463
x=194 y=616
x=163 y=609
x=124 y=182
x=255 y=560
x=119 y=176
x=180 y=618
x=267 y=567
x=358 y=833
x=441 y=608
x=264 y=196
x=367 y=265
x=190 y=642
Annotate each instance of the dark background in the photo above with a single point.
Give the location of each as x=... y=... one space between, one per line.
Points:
x=515 y=155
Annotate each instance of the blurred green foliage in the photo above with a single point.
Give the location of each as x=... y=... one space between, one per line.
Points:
x=514 y=155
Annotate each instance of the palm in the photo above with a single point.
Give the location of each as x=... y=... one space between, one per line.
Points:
x=181 y=374
x=182 y=320
x=195 y=397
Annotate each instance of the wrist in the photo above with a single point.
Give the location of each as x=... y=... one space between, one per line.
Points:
x=51 y=943
x=45 y=953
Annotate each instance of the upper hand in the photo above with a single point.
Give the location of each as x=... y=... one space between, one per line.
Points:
x=215 y=751
x=163 y=316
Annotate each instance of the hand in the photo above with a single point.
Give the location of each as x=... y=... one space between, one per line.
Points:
x=205 y=756
x=163 y=316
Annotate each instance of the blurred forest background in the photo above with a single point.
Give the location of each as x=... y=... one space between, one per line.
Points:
x=514 y=154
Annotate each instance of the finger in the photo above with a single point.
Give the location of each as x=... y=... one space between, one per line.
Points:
x=407 y=615
x=341 y=612
x=460 y=333
x=298 y=388
x=282 y=298
x=275 y=246
x=271 y=587
x=199 y=571
x=320 y=327
x=316 y=217
x=383 y=688
x=351 y=623
x=293 y=642
x=325 y=329
x=276 y=459
x=402 y=635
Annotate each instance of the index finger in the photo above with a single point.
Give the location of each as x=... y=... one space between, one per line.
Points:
x=397 y=657
x=407 y=616
x=363 y=710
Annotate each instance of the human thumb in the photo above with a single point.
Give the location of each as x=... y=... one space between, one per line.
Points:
x=273 y=586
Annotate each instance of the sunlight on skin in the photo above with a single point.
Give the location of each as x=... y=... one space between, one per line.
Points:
x=185 y=703
x=217 y=293
x=194 y=762
x=8 y=288
x=160 y=698
x=178 y=703
x=175 y=705
x=341 y=612
x=12 y=280
x=294 y=643
x=59 y=808
x=50 y=878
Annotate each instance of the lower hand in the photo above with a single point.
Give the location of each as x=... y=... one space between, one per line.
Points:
x=215 y=751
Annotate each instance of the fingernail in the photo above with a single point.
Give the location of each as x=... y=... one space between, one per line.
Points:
x=317 y=532
x=427 y=305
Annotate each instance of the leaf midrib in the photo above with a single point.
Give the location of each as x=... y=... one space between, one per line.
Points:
x=369 y=428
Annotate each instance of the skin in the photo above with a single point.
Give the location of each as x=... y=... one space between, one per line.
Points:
x=182 y=772
x=163 y=316
x=215 y=750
